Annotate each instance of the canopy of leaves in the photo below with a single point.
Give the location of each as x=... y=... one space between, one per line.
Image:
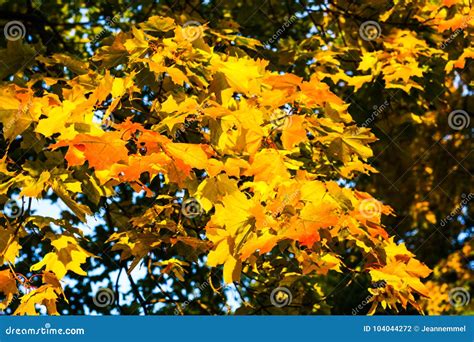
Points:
x=235 y=148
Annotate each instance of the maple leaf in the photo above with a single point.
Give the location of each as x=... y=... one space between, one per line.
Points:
x=7 y=287
x=246 y=82
x=45 y=295
x=99 y=151
x=68 y=256
x=9 y=246
x=294 y=132
x=353 y=140
x=174 y=266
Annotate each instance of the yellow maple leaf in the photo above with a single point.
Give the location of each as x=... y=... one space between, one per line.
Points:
x=34 y=187
x=68 y=256
x=293 y=132
x=46 y=295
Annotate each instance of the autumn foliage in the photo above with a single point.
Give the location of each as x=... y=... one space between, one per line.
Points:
x=190 y=153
